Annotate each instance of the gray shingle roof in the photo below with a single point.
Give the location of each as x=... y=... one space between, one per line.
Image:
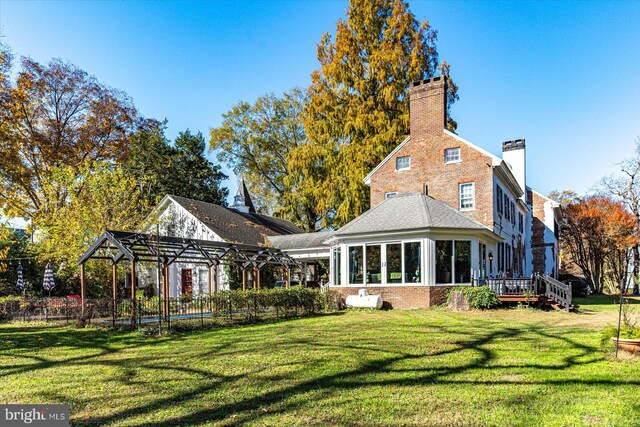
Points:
x=301 y=241
x=234 y=226
x=409 y=211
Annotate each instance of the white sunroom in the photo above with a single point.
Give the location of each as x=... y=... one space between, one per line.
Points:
x=408 y=240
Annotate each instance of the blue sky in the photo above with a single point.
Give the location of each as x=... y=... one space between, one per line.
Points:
x=563 y=75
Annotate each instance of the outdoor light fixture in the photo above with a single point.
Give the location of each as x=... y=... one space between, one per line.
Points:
x=490 y=256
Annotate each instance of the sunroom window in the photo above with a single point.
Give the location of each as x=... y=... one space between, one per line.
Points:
x=412 y=262
x=453 y=261
x=336 y=267
x=355 y=265
x=394 y=263
x=374 y=264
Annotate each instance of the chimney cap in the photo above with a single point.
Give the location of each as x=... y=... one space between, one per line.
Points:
x=516 y=144
x=435 y=79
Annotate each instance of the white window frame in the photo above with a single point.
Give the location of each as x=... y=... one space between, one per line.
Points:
x=383 y=258
x=453 y=260
x=473 y=196
x=458 y=158
x=390 y=194
x=404 y=168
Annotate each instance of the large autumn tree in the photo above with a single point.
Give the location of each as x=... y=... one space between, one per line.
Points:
x=599 y=233
x=256 y=140
x=56 y=115
x=358 y=108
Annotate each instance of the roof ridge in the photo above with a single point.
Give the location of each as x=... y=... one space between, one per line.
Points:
x=427 y=211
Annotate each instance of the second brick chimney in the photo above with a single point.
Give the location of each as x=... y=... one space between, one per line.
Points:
x=427 y=107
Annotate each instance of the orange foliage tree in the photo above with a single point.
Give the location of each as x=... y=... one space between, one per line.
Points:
x=55 y=115
x=599 y=233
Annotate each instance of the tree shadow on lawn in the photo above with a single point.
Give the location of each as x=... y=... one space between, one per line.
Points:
x=382 y=371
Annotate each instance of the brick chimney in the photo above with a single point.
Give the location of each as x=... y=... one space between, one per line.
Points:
x=428 y=107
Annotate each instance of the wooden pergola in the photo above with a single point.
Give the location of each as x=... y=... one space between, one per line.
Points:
x=116 y=246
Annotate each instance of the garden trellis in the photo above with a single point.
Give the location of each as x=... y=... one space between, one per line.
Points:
x=116 y=246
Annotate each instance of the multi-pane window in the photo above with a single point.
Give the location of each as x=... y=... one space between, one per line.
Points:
x=499 y=198
x=467 y=196
x=390 y=194
x=506 y=206
x=521 y=223
x=513 y=213
x=403 y=163
x=452 y=155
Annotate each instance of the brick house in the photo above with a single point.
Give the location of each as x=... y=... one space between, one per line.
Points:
x=444 y=212
x=488 y=188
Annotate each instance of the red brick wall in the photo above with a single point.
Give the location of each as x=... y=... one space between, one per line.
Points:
x=538 y=243
x=426 y=148
x=402 y=297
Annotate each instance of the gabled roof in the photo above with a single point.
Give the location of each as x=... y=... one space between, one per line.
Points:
x=495 y=160
x=409 y=211
x=302 y=240
x=234 y=226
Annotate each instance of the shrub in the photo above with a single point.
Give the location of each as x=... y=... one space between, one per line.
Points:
x=479 y=297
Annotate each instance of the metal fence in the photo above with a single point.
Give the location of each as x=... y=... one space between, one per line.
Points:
x=223 y=308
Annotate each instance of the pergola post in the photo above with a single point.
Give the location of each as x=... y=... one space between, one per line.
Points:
x=82 y=286
x=255 y=282
x=244 y=279
x=288 y=276
x=165 y=290
x=114 y=283
x=133 y=291
x=209 y=286
x=215 y=278
x=258 y=277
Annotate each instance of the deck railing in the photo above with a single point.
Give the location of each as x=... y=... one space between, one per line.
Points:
x=512 y=286
x=552 y=289
x=558 y=292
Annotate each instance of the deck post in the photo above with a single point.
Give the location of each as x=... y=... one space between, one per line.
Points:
x=82 y=287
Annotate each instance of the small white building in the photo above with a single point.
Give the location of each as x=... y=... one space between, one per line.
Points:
x=193 y=219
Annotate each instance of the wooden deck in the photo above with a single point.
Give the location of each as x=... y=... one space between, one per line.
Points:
x=537 y=288
x=519 y=298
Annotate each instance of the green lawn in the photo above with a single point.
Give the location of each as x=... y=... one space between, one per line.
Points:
x=423 y=367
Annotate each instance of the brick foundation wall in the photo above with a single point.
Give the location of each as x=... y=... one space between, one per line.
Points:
x=402 y=297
